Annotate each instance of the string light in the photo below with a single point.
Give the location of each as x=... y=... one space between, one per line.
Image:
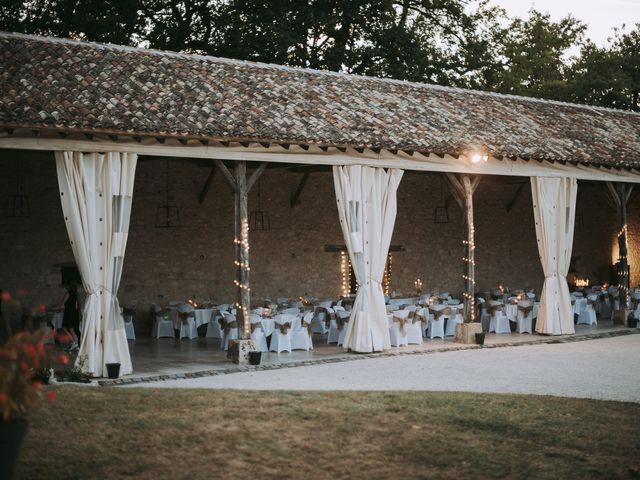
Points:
x=386 y=279
x=243 y=282
x=344 y=271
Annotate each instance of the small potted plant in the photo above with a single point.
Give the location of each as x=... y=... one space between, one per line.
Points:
x=22 y=359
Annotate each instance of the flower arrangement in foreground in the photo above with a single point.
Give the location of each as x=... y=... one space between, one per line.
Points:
x=22 y=357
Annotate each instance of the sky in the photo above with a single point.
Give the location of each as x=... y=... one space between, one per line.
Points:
x=600 y=15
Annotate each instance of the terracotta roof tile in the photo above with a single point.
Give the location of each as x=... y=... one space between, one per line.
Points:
x=74 y=86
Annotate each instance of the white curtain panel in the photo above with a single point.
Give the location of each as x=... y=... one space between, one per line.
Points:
x=366 y=199
x=554 y=208
x=96 y=191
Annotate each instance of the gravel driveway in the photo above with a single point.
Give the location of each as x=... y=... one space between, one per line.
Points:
x=606 y=368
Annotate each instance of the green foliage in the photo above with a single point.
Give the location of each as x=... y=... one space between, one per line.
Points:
x=449 y=42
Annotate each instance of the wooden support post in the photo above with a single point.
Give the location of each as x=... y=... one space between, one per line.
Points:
x=463 y=187
x=620 y=194
x=241 y=186
x=243 y=294
x=470 y=246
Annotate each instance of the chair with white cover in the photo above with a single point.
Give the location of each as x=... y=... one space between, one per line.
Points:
x=213 y=327
x=605 y=306
x=499 y=322
x=257 y=333
x=398 y=328
x=187 y=319
x=413 y=326
x=319 y=317
x=524 y=319
x=455 y=317
x=229 y=326
x=333 y=333
x=588 y=314
x=291 y=311
x=127 y=314
x=485 y=318
x=281 y=337
x=422 y=315
x=436 y=320
x=162 y=326
x=301 y=335
x=342 y=318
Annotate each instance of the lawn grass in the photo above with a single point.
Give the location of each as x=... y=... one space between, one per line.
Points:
x=110 y=433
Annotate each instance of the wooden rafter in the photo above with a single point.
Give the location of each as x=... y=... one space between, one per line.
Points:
x=295 y=198
x=207 y=185
x=510 y=204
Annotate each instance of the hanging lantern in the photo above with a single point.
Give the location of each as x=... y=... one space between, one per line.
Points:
x=441 y=214
x=259 y=220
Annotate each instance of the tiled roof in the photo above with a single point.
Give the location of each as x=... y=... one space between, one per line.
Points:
x=86 y=87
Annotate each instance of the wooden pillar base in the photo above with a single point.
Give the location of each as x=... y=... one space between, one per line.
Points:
x=238 y=351
x=466 y=332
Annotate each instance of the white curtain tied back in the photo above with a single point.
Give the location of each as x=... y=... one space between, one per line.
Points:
x=554 y=208
x=366 y=199
x=96 y=192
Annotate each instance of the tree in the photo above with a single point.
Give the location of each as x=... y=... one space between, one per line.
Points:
x=115 y=21
x=609 y=76
x=533 y=56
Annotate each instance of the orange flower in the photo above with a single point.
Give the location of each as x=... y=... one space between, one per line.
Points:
x=3 y=397
x=63 y=358
x=37 y=385
x=51 y=396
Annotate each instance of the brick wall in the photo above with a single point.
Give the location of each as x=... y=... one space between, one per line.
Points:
x=197 y=258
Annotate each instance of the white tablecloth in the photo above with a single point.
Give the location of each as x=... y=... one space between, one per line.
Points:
x=203 y=315
x=268 y=325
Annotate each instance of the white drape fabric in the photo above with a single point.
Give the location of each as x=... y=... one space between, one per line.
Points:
x=96 y=192
x=554 y=209
x=366 y=199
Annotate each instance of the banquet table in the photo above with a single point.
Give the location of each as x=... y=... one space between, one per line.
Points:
x=203 y=315
x=268 y=325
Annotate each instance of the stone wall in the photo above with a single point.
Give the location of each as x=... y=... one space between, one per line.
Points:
x=196 y=258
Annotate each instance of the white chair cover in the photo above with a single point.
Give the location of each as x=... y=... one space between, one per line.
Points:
x=96 y=192
x=366 y=200
x=554 y=208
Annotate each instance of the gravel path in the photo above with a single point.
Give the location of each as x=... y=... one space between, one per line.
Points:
x=604 y=369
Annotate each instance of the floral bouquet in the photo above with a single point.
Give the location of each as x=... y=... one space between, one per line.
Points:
x=21 y=359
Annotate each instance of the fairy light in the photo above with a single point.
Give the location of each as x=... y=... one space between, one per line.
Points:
x=386 y=279
x=622 y=280
x=344 y=272
x=470 y=281
x=242 y=283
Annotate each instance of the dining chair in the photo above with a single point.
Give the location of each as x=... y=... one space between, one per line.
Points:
x=499 y=322
x=257 y=332
x=229 y=326
x=301 y=334
x=281 y=336
x=524 y=320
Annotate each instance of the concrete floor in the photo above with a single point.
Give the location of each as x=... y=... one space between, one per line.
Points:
x=166 y=356
x=604 y=368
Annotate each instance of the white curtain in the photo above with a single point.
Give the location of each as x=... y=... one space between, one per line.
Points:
x=554 y=208
x=96 y=191
x=366 y=198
